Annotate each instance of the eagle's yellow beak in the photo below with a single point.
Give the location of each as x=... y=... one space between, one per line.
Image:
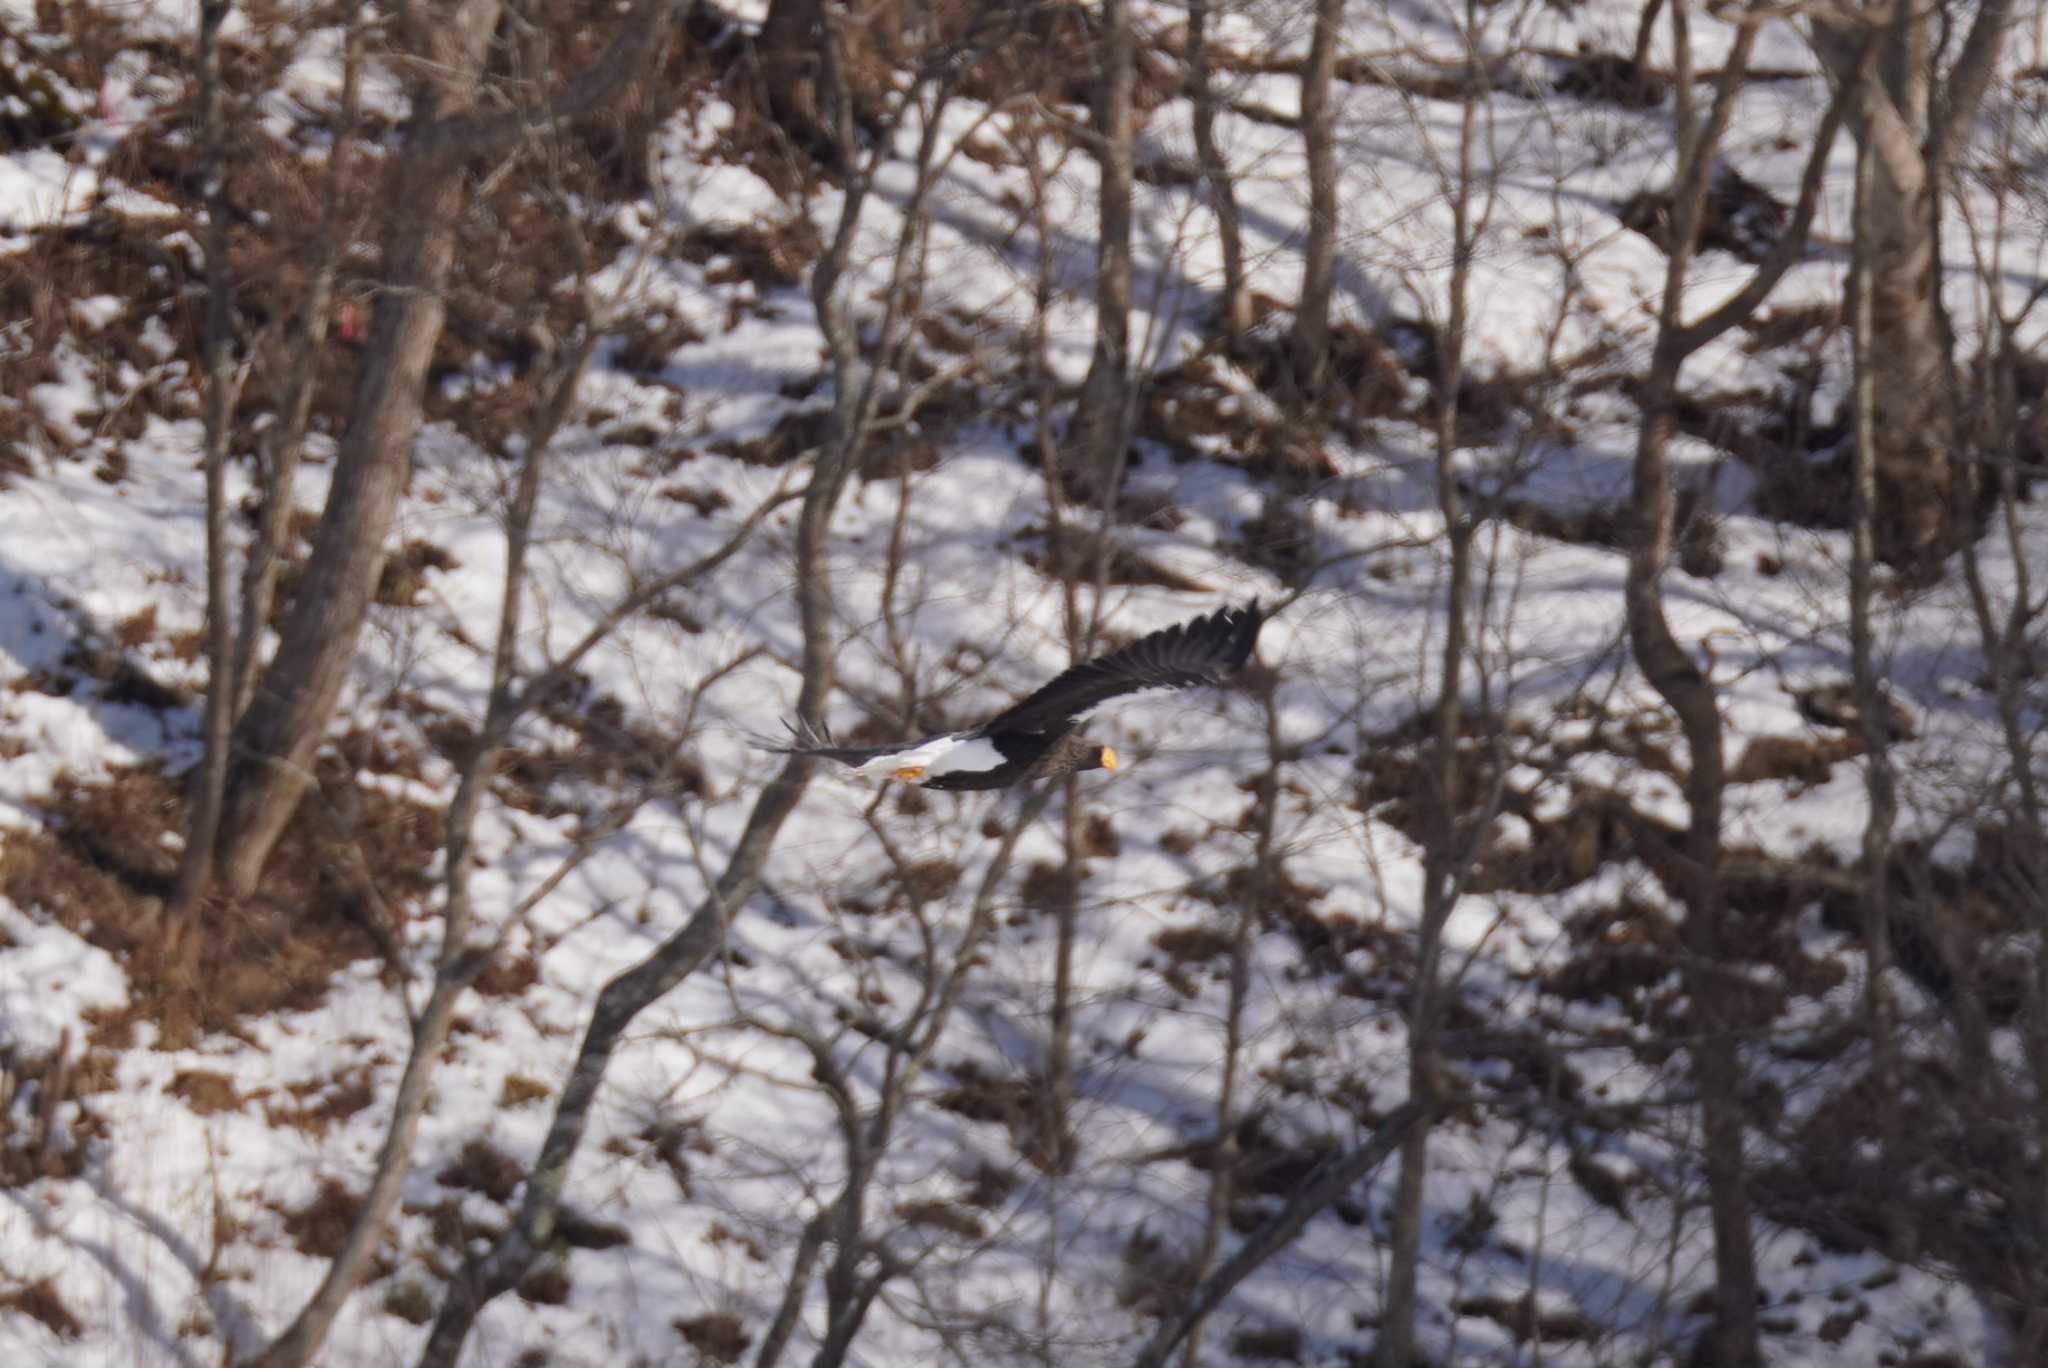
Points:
x=1109 y=757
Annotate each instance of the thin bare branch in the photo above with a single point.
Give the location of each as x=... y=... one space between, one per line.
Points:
x=1330 y=1180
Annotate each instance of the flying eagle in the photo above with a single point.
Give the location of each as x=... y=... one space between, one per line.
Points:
x=1038 y=738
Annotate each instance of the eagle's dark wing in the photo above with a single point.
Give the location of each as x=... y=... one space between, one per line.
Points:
x=1205 y=650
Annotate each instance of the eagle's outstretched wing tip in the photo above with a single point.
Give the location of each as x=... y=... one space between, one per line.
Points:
x=804 y=739
x=1197 y=651
x=1239 y=626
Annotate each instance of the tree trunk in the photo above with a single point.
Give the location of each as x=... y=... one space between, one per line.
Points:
x=788 y=48
x=275 y=740
x=482 y=1279
x=460 y=961
x=1095 y=443
x=1309 y=347
x=287 y=718
x=2008 y=616
x=1716 y=1061
x=1913 y=432
x=795 y=91
x=1878 y=779
x=1909 y=125
x=284 y=443
x=195 y=867
x=1251 y=911
x=1233 y=315
x=856 y=397
x=1057 y=1142
x=1330 y=1180
x=1444 y=859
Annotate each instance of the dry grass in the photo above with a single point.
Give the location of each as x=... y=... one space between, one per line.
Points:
x=315 y=1106
x=104 y=861
x=483 y=1167
x=794 y=435
x=548 y=1286
x=404 y=576
x=949 y=1217
x=1021 y=1103
x=205 y=1091
x=612 y=751
x=989 y=1187
x=672 y=1140
x=1521 y=1318
x=1047 y=890
x=410 y=1302
x=1805 y=760
x=1740 y=217
x=508 y=976
x=1193 y=944
x=521 y=1091
x=39 y=1301
x=1271 y=1344
x=773 y=256
x=924 y=881
x=452 y=1230
x=717 y=1336
x=586 y=1232
x=36 y=1139
x=1048 y=51
x=1155 y=1276
x=320 y=1227
x=1280 y=539
x=1620 y=952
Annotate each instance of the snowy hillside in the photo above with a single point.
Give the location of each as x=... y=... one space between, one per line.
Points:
x=1033 y=1123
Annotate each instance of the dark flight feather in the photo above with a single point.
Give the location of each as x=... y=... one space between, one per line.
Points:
x=1205 y=650
x=1036 y=738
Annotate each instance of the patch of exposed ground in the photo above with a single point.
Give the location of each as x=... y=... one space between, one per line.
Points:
x=105 y=860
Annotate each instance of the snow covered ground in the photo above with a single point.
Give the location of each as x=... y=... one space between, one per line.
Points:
x=210 y=1175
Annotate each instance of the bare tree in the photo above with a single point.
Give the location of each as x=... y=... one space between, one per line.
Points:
x=632 y=991
x=1670 y=670
x=1880 y=783
x=1251 y=912
x=283 y=443
x=470 y=939
x=1448 y=846
x=1057 y=1147
x=232 y=657
x=460 y=960
x=1673 y=674
x=1912 y=120
x=857 y=396
x=863 y=1262
x=274 y=741
x=2008 y=620
x=195 y=869
x=1100 y=429
x=1329 y=1181
x=1309 y=345
x=1233 y=315
x=796 y=92
x=788 y=48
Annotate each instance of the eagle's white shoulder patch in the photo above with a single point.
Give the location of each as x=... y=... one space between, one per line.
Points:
x=933 y=755
x=973 y=757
